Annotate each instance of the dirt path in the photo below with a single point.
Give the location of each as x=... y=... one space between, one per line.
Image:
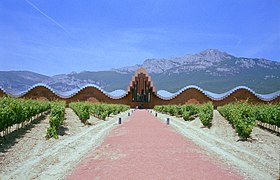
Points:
x=145 y=148
x=256 y=159
x=33 y=157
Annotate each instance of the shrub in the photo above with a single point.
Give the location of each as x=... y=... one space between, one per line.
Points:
x=206 y=114
x=186 y=115
x=56 y=118
x=81 y=109
x=242 y=116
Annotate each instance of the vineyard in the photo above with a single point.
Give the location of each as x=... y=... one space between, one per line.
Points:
x=84 y=110
x=242 y=116
x=188 y=112
x=19 y=112
x=57 y=139
x=80 y=126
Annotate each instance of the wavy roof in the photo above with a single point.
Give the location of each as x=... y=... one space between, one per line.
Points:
x=69 y=94
x=117 y=94
x=214 y=96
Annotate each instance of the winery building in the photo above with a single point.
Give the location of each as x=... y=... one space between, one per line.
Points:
x=142 y=93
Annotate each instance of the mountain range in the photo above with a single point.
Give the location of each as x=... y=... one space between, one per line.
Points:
x=212 y=70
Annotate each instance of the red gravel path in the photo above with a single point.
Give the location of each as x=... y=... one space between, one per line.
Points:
x=145 y=148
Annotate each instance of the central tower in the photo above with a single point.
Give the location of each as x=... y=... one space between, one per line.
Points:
x=141 y=87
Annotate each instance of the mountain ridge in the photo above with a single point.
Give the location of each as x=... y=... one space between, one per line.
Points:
x=202 y=60
x=210 y=69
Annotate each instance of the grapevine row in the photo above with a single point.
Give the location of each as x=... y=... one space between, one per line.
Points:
x=243 y=116
x=101 y=111
x=82 y=110
x=205 y=112
x=56 y=118
x=18 y=111
x=268 y=113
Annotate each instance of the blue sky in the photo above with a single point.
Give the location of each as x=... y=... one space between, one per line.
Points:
x=61 y=36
